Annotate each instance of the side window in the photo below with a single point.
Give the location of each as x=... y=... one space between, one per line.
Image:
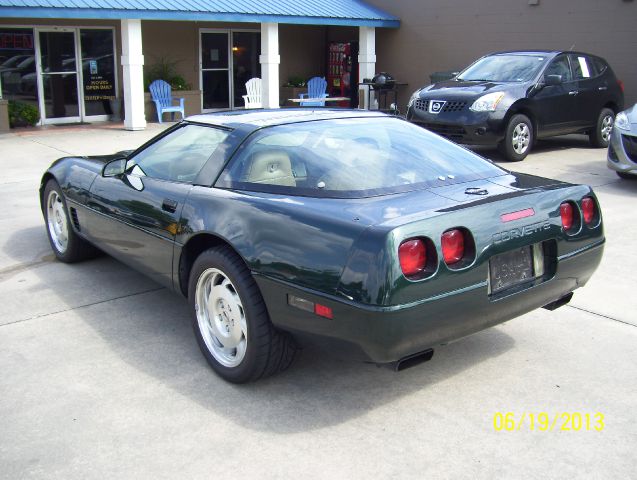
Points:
x=599 y=65
x=582 y=68
x=179 y=156
x=560 y=66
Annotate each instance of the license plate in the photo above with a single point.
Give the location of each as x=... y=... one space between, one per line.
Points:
x=510 y=268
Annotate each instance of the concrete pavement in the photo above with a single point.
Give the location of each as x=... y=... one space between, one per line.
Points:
x=101 y=375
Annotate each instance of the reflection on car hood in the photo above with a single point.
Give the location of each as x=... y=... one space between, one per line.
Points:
x=468 y=89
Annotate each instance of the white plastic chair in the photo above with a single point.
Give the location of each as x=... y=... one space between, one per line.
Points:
x=253 y=98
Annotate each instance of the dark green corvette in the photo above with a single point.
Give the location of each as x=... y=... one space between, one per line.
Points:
x=344 y=226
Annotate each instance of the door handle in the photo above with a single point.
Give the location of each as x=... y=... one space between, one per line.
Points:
x=169 y=205
x=573 y=92
x=602 y=88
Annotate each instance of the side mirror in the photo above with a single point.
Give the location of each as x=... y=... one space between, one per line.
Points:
x=114 y=168
x=553 y=80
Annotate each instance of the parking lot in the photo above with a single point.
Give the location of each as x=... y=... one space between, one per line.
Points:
x=101 y=375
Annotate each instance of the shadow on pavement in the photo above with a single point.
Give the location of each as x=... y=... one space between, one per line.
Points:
x=152 y=333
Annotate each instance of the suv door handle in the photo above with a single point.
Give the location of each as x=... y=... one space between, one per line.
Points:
x=573 y=92
x=602 y=88
x=169 y=205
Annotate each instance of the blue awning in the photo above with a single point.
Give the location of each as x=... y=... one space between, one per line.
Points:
x=310 y=12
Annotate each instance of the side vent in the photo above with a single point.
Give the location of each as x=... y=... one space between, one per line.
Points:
x=76 y=222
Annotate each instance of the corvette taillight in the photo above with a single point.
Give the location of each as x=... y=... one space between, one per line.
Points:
x=566 y=212
x=412 y=255
x=588 y=210
x=453 y=246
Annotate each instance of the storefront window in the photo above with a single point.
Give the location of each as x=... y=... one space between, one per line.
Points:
x=98 y=71
x=17 y=65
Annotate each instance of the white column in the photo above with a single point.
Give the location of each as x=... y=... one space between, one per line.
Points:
x=366 y=57
x=133 y=73
x=270 y=60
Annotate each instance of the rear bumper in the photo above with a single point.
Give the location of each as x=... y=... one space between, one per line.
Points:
x=387 y=334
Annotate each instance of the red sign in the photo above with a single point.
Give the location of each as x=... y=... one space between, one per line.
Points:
x=16 y=41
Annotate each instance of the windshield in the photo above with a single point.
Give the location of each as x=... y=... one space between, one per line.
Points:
x=503 y=68
x=349 y=158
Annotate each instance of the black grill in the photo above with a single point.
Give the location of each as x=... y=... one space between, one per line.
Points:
x=454 y=106
x=630 y=146
x=452 y=132
x=74 y=219
x=421 y=104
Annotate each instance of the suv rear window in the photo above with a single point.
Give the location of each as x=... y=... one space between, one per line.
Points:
x=350 y=158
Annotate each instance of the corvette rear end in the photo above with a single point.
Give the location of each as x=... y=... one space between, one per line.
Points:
x=435 y=275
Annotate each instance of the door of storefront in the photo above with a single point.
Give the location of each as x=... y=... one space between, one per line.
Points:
x=228 y=59
x=76 y=78
x=59 y=78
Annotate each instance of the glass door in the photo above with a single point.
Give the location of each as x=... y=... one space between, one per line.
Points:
x=58 y=69
x=246 y=47
x=215 y=70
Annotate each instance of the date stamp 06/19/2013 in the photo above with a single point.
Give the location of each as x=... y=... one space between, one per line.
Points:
x=548 y=422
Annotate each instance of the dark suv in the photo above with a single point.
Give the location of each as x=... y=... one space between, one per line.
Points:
x=510 y=99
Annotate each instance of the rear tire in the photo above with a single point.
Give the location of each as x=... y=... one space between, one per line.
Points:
x=518 y=138
x=67 y=245
x=600 y=135
x=231 y=322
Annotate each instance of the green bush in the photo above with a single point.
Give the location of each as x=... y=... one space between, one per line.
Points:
x=166 y=70
x=22 y=114
x=294 y=81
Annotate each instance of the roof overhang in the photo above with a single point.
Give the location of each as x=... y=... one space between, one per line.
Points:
x=377 y=19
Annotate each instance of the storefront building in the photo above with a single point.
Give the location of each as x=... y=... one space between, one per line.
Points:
x=83 y=64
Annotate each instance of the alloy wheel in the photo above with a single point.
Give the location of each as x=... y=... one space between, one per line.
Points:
x=56 y=222
x=607 y=127
x=521 y=138
x=221 y=317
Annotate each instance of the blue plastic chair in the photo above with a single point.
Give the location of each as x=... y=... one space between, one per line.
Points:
x=316 y=87
x=162 y=96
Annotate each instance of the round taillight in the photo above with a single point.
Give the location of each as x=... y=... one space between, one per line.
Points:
x=412 y=255
x=588 y=210
x=566 y=212
x=452 y=246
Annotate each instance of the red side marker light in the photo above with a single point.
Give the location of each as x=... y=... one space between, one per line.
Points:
x=452 y=246
x=588 y=209
x=323 y=311
x=509 y=217
x=566 y=212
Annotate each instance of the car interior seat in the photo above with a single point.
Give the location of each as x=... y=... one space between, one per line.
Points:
x=271 y=167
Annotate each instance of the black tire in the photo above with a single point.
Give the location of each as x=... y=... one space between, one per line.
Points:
x=627 y=176
x=75 y=248
x=268 y=350
x=600 y=135
x=519 y=138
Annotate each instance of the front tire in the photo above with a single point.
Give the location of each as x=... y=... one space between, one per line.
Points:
x=231 y=322
x=518 y=138
x=600 y=135
x=67 y=245
x=626 y=176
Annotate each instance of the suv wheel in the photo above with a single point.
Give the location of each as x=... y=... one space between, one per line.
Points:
x=600 y=136
x=518 y=138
